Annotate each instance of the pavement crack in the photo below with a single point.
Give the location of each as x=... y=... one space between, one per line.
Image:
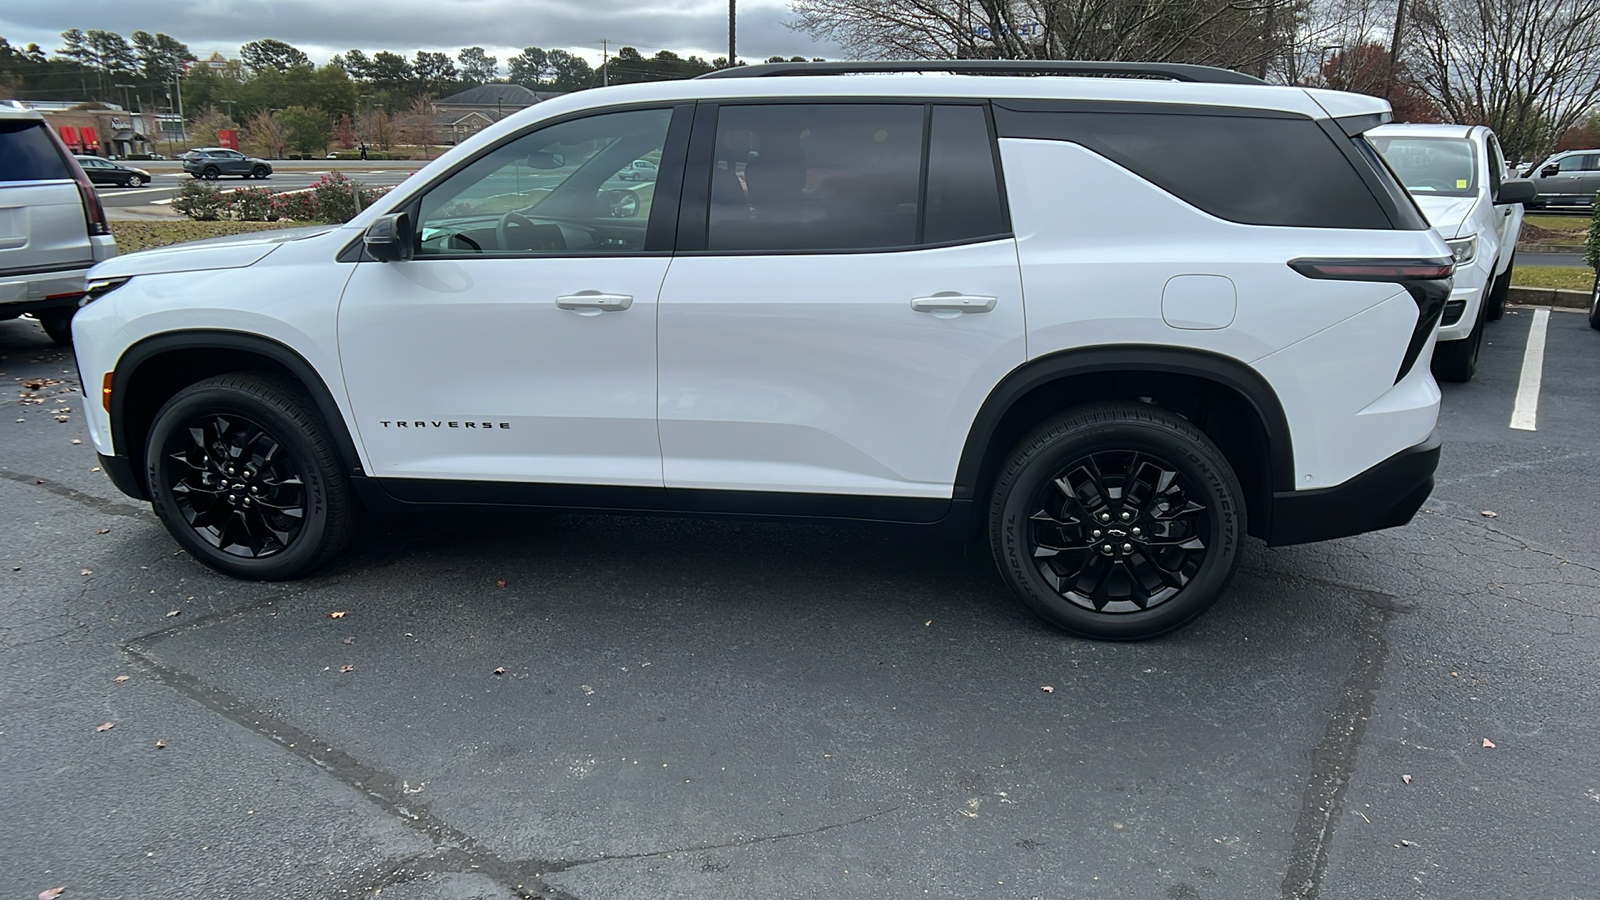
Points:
x=380 y=788
x=1333 y=763
x=55 y=487
x=563 y=865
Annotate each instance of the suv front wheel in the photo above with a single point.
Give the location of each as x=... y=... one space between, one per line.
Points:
x=1117 y=522
x=243 y=473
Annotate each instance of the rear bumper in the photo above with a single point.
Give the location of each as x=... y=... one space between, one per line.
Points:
x=58 y=289
x=1384 y=496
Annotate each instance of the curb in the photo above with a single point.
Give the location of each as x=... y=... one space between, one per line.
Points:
x=1561 y=299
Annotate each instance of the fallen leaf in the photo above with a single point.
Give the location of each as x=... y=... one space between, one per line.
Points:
x=347 y=668
x=500 y=670
x=927 y=623
x=1406 y=778
x=76 y=441
x=500 y=583
x=107 y=726
x=1488 y=743
x=176 y=612
x=52 y=894
x=349 y=640
x=1403 y=843
x=1047 y=689
x=87 y=572
x=62 y=419
x=161 y=745
x=121 y=678
x=94 y=468
x=336 y=615
x=1455 y=674
x=102 y=531
x=1489 y=514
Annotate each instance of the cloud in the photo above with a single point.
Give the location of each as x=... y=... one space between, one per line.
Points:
x=322 y=28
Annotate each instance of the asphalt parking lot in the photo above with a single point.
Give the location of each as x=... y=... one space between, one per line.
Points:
x=740 y=710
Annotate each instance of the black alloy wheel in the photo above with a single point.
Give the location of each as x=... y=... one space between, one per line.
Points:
x=236 y=487
x=134 y=181
x=259 y=172
x=1118 y=522
x=211 y=173
x=244 y=476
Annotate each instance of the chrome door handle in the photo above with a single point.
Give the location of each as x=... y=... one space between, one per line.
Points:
x=595 y=300
x=950 y=301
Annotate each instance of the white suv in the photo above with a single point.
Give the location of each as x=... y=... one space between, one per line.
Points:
x=1456 y=174
x=1115 y=323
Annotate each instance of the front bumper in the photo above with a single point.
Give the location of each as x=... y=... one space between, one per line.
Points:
x=120 y=470
x=1384 y=496
x=1461 y=310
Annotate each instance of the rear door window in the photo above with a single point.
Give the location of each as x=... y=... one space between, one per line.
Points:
x=964 y=201
x=28 y=154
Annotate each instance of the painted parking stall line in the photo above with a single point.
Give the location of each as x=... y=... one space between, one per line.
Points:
x=1525 y=413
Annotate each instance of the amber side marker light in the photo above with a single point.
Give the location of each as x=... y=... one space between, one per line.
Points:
x=105 y=392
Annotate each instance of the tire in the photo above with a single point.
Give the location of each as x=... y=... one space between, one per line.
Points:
x=1499 y=291
x=57 y=324
x=1119 y=460
x=1594 y=304
x=211 y=173
x=222 y=432
x=259 y=173
x=1457 y=361
x=134 y=181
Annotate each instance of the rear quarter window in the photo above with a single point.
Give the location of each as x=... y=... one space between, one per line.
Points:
x=1246 y=169
x=28 y=154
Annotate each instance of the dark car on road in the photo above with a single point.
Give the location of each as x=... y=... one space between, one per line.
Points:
x=104 y=171
x=214 y=162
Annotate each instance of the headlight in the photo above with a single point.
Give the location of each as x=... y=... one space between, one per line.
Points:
x=1464 y=249
x=100 y=287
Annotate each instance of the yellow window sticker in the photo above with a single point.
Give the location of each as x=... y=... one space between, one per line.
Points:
x=1461 y=184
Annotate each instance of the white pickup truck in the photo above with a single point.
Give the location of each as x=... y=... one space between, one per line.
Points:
x=1456 y=175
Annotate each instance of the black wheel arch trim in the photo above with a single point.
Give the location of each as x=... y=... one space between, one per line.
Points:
x=1222 y=370
x=151 y=347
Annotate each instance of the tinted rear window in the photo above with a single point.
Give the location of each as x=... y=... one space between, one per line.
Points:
x=1251 y=170
x=28 y=154
x=963 y=186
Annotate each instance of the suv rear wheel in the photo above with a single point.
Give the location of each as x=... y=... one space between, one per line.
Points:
x=57 y=324
x=1118 y=522
x=243 y=473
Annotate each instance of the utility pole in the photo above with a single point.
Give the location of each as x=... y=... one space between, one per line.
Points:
x=732 y=4
x=605 y=63
x=1394 y=50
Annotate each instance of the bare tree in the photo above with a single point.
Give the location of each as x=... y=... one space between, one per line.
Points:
x=418 y=125
x=1243 y=34
x=1530 y=69
x=267 y=134
x=378 y=127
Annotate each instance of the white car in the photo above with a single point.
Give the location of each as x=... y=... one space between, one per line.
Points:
x=1456 y=174
x=1112 y=323
x=638 y=170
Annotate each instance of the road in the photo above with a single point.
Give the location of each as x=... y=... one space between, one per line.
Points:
x=1530 y=258
x=288 y=175
x=736 y=710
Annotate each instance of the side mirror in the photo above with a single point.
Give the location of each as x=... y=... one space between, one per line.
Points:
x=1515 y=191
x=620 y=204
x=544 y=160
x=388 y=238
x=1548 y=171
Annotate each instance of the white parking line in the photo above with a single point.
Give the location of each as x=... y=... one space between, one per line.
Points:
x=1525 y=414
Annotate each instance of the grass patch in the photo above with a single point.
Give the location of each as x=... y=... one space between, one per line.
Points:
x=1577 y=225
x=134 y=236
x=1572 y=278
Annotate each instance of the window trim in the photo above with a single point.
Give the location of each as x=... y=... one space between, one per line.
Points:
x=694 y=220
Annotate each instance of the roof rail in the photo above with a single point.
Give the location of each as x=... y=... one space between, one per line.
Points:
x=1092 y=69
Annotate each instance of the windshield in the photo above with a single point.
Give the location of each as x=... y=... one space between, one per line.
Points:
x=1431 y=166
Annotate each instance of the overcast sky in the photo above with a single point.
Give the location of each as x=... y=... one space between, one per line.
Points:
x=324 y=27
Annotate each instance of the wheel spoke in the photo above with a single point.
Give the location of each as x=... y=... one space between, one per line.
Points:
x=235 y=486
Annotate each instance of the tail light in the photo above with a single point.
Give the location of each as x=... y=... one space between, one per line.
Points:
x=94 y=214
x=1427 y=280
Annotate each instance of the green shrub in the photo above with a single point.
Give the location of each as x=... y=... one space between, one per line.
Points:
x=1591 y=246
x=299 y=206
x=200 y=201
x=252 y=205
